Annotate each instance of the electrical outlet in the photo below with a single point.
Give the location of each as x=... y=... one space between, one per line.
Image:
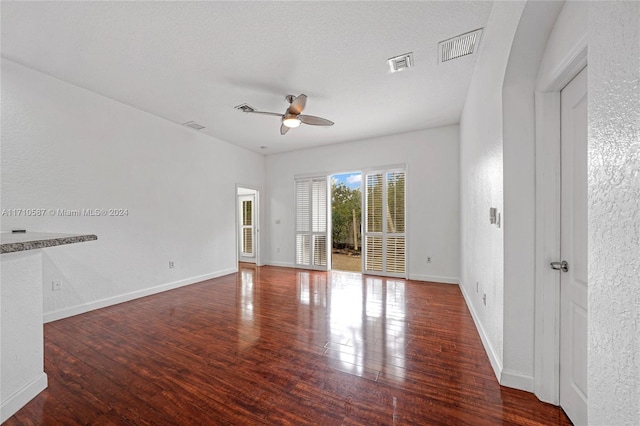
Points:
x=477 y=287
x=56 y=285
x=428 y=259
x=484 y=298
x=171 y=264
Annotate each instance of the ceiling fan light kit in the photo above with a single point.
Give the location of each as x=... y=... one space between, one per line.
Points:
x=293 y=116
x=291 y=121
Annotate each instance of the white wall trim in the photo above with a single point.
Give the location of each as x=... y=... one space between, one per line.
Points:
x=491 y=353
x=110 y=301
x=258 y=225
x=414 y=277
x=569 y=67
x=547 y=225
x=435 y=279
x=281 y=264
x=22 y=396
x=512 y=379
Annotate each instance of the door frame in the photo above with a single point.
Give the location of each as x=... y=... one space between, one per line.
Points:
x=547 y=222
x=256 y=209
x=251 y=257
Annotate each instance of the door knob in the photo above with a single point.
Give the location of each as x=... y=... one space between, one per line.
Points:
x=560 y=266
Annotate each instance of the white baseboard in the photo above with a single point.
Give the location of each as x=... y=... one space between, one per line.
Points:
x=281 y=264
x=103 y=303
x=415 y=277
x=23 y=395
x=496 y=364
x=511 y=379
x=434 y=279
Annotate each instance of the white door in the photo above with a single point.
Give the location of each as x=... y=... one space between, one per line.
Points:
x=384 y=220
x=247 y=229
x=573 y=249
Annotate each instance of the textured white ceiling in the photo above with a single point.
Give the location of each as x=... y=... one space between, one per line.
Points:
x=197 y=60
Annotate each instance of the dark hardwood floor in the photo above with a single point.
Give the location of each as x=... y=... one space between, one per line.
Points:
x=279 y=346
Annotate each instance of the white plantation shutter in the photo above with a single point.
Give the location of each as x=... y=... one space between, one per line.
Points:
x=303 y=205
x=247 y=227
x=311 y=223
x=373 y=254
x=395 y=255
x=385 y=238
x=247 y=242
x=395 y=202
x=373 y=233
x=319 y=205
x=374 y=202
x=303 y=249
x=320 y=250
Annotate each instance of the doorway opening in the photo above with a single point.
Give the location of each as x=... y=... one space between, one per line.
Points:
x=346 y=222
x=549 y=193
x=247 y=220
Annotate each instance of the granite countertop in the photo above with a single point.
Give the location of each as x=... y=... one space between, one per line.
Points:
x=10 y=242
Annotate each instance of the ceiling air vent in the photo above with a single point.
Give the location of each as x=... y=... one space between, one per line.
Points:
x=245 y=108
x=193 y=125
x=459 y=46
x=401 y=62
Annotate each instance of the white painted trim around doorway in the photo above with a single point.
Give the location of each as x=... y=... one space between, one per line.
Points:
x=547 y=223
x=258 y=222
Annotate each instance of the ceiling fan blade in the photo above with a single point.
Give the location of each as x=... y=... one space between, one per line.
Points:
x=265 y=113
x=283 y=129
x=298 y=105
x=315 y=121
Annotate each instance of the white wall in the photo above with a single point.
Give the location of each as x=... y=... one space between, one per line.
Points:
x=481 y=181
x=67 y=148
x=21 y=340
x=614 y=213
x=431 y=157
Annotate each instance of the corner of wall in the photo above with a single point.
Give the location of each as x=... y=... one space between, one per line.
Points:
x=482 y=181
x=25 y=394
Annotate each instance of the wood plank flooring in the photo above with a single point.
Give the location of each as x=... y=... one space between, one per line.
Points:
x=277 y=346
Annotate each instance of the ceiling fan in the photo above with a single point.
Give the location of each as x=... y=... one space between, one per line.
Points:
x=293 y=115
